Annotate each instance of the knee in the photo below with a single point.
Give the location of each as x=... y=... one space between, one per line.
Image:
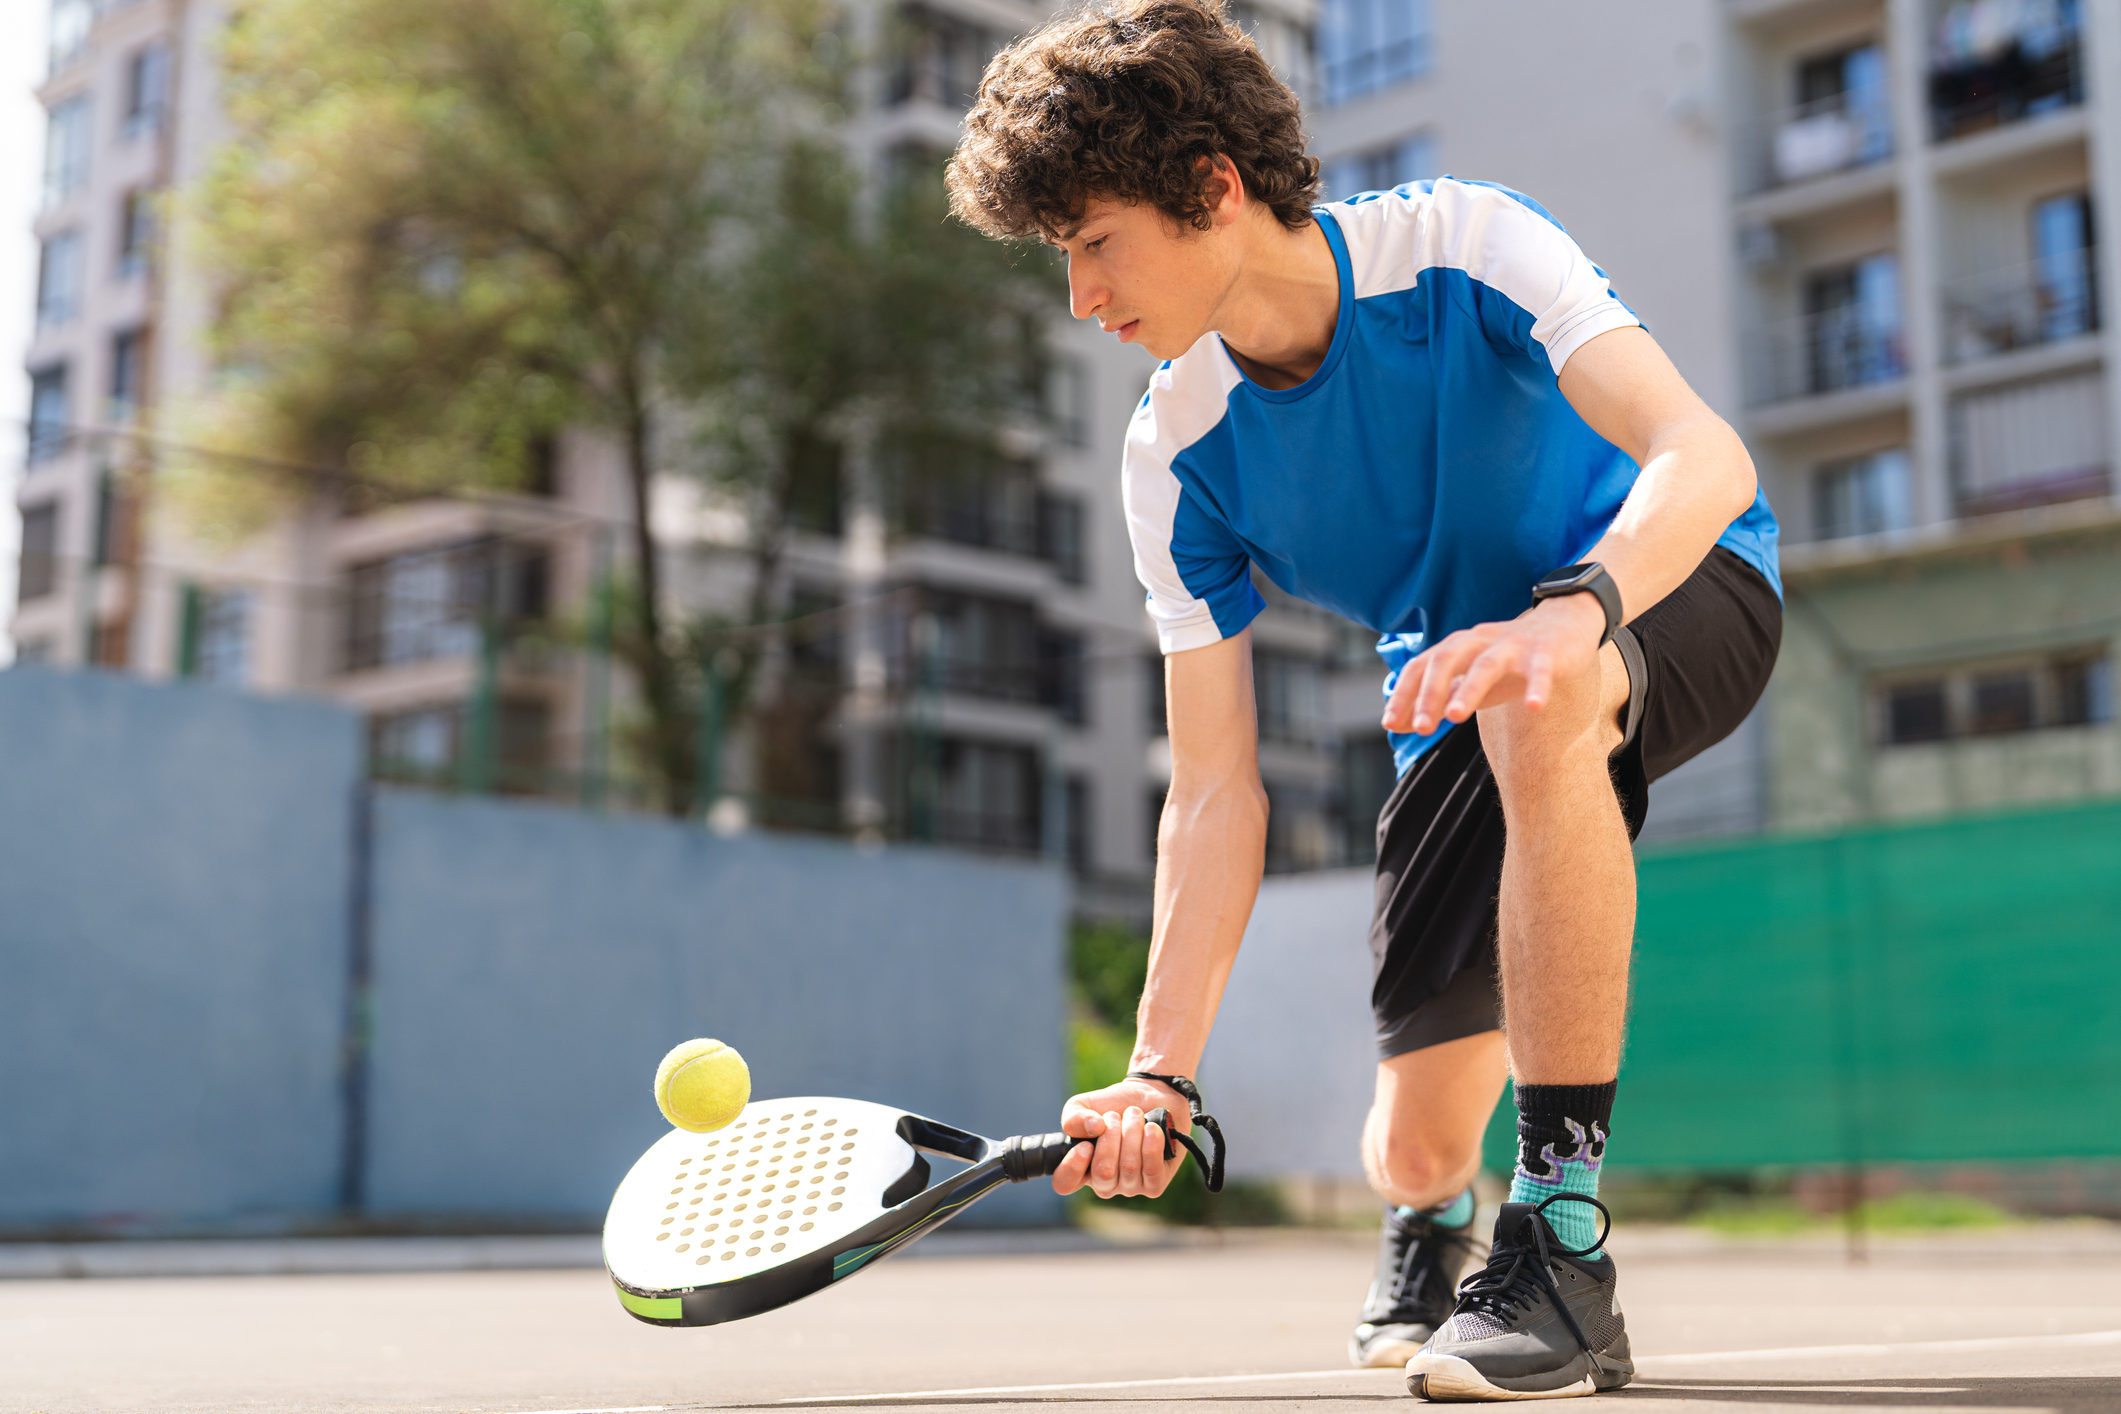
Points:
x=1581 y=721
x=1419 y=1168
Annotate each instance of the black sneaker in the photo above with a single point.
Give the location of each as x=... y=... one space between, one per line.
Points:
x=1539 y=1321
x=1419 y=1262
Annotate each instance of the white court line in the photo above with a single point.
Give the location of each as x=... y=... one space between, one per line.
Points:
x=1925 y=1347
x=1091 y=1384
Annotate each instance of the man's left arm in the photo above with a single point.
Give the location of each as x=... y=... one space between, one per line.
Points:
x=1696 y=479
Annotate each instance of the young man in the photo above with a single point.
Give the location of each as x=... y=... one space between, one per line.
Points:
x=1425 y=410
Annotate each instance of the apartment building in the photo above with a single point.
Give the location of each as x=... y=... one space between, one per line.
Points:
x=1930 y=390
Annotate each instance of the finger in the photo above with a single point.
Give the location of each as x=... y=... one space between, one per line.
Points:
x=1130 y=1151
x=1104 y=1166
x=1081 y=1121
x=1480 y=680
x=1436 y=684
x=1538 y=681
x=1073 y=1170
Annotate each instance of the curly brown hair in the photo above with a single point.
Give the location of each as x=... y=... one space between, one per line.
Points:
x=1130 y=100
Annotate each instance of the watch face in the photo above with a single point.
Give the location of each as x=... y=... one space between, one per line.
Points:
x=1568 y=577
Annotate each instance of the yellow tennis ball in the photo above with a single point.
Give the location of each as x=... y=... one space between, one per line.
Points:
x=702 y=1085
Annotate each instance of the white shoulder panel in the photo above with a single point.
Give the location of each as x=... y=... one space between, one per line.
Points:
x=1497 y=240
x=1187 y=398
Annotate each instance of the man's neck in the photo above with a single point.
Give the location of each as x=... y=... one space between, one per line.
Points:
x=1277 y=319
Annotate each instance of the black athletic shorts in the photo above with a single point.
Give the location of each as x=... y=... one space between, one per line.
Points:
x=1697 y=662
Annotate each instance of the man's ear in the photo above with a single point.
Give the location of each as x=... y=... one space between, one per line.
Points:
x=1224 y=190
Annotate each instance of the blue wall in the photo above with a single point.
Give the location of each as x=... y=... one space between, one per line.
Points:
x=176 y=889
x=533 y=964
x=173 y=921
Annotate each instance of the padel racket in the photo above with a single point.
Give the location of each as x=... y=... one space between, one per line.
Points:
x=791 y=1197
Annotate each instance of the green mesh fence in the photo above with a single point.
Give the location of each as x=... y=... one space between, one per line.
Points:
x=1942 y=991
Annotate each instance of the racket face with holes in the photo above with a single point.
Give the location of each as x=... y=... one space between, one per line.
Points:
x=787 y=1198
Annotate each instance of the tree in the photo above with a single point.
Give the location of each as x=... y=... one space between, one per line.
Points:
x=444 y=231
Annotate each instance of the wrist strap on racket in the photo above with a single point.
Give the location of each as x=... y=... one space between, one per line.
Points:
x=1211 y=1173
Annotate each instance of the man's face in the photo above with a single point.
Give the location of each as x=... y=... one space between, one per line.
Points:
x=1144 y=277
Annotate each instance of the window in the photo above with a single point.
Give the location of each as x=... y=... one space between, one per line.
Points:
x=986 y=647
x=1853 y=324
x=937 y=58
x=434 y=603
x=71 y=22
x=1866 y=496
x=48 y=416
x=1291 y=694
x=1297 y=833
x=40 y=552
x=435 y=744
x=1155 y=815
x=1076 y=805
x=33 y=650
x=1998 y=61
x=128 y=370
x=993 y=508
x=1366 y=45
x=2064 y=293
x=988 y=794
x=214 y=643
x=66 y=139
x=1842 y=118
x=146 y=89
x=1367 y=776
x=1068 y=400
x=1060 y=535
x=59 y=280
x=2073 y=688
x=136 y=232
x=1411 y=159
x=1061 y=671
x=1153 y=697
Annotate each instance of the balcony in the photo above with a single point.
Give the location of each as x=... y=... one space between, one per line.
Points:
x=1997 y=63
x=1851 y=346
x=2031 y=444
x=1834 y=134
x=2043 y=302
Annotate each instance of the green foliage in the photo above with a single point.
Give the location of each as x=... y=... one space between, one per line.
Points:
x=1927 y=1211
x=1107 y=964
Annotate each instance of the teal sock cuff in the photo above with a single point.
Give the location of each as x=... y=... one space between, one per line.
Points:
x=1456 y=1213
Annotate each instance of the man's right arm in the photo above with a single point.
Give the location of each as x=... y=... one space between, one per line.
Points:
x=1211 y=851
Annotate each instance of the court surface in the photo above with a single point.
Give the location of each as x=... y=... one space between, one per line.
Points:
x=1256 y=1323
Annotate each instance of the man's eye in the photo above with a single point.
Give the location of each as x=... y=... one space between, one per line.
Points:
x=1095 y=244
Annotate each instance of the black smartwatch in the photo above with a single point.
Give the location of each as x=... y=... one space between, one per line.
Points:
x=1584 y=579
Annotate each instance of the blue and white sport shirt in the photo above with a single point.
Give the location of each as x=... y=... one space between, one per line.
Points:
x=1428 y=472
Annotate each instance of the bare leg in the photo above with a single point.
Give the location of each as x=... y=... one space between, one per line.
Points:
x=1567 y=911
x=1421 y=1144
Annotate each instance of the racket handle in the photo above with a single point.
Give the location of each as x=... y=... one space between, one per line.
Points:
x=1029 y=1156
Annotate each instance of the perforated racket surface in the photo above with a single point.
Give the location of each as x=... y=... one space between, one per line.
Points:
x=792 y=1196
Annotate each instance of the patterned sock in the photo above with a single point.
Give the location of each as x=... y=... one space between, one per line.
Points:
x=1561 y=1135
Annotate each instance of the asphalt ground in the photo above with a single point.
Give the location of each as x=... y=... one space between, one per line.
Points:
x=1257 y=1322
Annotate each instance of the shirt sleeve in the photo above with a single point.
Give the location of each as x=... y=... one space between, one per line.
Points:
x=1552 y=299
x=1197 y=572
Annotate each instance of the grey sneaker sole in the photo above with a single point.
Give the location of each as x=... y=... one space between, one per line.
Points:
x=1450 y=1378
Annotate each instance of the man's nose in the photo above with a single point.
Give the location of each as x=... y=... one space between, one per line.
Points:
x=1084 y=298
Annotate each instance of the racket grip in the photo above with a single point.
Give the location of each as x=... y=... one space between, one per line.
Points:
x=1029 y=1156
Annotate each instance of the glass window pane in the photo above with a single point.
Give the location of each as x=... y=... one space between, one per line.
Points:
x=1915 y=712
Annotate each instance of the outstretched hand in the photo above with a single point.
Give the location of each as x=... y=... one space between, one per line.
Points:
x=1128 y=1157
x=1490 y=664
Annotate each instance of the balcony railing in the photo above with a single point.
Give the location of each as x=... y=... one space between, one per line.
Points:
x=2035 y=72
x=1847 y=347
x=2021 y=306
x=1813 y=139
x=2031 y=444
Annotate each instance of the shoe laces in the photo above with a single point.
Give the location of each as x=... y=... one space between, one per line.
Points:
x=1517 y=1271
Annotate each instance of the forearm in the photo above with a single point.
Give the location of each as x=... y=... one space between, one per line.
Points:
x=1696 y=480
x=1211 y=851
